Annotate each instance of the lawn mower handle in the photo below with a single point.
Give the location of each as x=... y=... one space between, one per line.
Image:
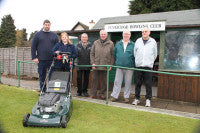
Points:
x=67 y=53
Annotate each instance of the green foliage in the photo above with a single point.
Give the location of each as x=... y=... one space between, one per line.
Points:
x=7 y=32
x=21 y=38
x=88 y=117
x=152 y=6
x=24 y=34
x=31 y=36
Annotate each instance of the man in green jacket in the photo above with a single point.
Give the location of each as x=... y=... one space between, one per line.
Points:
x=124 y=56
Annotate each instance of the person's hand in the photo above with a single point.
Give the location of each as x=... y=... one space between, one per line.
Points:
x=36 y=60
x=110 y=68
x=94 y=68
x=57 y=52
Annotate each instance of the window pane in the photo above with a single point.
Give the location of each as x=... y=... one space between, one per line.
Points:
x=182 y=50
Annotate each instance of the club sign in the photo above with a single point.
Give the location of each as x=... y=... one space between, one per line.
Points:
x=153 y=26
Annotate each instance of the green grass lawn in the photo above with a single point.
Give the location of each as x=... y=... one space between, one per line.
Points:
x=88 y=117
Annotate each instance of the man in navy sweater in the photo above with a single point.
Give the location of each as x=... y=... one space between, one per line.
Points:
x=41 y=46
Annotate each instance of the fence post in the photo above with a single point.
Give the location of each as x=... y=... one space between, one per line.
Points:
x=107 y=84
x=16 y=56
x=3 y=60
x=18 y=74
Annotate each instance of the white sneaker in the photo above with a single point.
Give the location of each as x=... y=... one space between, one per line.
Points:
x=148 y=103
x=136 y=101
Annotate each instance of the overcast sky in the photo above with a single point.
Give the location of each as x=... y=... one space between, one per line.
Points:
x=63 y=14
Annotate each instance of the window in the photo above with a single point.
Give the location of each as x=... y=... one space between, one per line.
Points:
x=182 y=50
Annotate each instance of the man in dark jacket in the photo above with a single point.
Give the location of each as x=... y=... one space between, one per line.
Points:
x=41 y=46
x=83 y=58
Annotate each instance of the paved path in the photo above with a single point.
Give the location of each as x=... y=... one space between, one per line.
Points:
x=175 y=108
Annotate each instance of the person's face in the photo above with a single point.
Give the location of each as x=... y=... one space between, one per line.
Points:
x=145 y=33
x=46 y=26
x=103 y=35
x=84 y=38
x=64 y=39
x=126 y=36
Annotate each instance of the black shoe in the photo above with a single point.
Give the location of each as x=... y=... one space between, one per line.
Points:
x=86 y=94
x=78 y=94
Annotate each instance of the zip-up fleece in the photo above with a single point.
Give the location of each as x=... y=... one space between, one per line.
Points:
x=125 y=59
x=145 y=54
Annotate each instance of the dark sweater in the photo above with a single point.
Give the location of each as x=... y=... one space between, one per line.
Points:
x=42 y=44
x=83 y=57
x=63 y=48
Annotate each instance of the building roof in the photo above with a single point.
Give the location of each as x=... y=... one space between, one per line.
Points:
x=77 y=31
x=173 y=19
x=83 y=26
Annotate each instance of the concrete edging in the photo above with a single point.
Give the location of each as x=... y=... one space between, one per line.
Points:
x=141 y=108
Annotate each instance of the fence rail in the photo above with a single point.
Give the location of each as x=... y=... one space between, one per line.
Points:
x=108 y=66
x=18 y=71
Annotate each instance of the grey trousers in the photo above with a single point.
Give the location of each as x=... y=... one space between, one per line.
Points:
x=120 y=73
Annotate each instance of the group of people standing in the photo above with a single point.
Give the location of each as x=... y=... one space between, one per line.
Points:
x=141 y=55
x=125 y=53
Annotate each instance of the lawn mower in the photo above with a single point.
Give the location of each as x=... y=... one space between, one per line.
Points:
x=54 y=107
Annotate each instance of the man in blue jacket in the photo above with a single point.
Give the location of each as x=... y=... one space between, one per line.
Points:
x=41 y=46
x=124 y=56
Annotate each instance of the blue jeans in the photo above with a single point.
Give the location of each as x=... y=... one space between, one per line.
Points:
x=43 y=66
